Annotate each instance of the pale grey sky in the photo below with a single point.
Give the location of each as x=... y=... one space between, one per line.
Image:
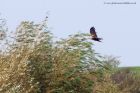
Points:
x=117 y=24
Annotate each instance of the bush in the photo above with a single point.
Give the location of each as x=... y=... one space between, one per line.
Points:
x=127 y=80
x=33 y=63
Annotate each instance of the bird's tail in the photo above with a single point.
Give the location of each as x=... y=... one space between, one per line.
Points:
x=100 y=39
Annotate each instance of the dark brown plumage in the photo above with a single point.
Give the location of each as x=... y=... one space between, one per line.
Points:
x=94 y=35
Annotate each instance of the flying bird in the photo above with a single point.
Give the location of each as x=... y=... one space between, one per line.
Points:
x=94 y=35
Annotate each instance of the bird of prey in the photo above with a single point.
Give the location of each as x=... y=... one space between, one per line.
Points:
x=94 y=35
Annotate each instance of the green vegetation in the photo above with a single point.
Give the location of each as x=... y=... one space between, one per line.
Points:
x=134 y=69
x=32 y=62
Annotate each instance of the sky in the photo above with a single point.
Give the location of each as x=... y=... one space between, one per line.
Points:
x=117 y=24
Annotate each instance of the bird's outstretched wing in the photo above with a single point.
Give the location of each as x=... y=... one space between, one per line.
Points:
x=94 y=35
x=93 y=32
